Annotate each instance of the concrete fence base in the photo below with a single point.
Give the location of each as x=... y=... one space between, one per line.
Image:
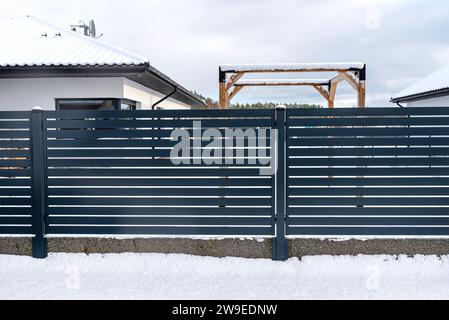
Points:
x=244 y=248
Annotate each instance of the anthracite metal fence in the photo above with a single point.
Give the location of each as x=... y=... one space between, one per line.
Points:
x=340 y=172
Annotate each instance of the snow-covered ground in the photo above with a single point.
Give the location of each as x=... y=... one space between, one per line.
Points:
x=156 y=276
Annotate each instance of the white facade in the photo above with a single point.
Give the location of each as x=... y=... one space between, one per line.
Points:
x=24 y=94
x=433 y=102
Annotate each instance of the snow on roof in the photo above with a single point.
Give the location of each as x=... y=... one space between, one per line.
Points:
x=31 y=42
x=292 y=67
x=436 y=81
x=280 y=82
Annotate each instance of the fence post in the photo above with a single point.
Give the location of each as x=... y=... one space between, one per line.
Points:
x=38 y=183
x=280 y=243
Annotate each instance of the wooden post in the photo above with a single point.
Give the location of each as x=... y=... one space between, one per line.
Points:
x=223 y=96
x=361 y=95
x=332 y=93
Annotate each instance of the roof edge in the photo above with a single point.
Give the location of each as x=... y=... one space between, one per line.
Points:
x=79 y=70
x=422 y=95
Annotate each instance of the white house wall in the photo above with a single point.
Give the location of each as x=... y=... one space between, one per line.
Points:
x=147 y=97
x=434 y=102
x=24 y=94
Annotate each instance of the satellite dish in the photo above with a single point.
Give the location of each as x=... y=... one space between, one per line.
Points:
x=92 y=29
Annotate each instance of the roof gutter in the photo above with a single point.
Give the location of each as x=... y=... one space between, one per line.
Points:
x=173 y=84
x=175 y=89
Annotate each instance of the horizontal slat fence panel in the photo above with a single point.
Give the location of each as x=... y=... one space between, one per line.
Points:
x=15 y=173
x=368 y=172
x=112 y=173
x=349 y=172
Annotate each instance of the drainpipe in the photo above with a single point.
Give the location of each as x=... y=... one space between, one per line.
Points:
x=175 y=89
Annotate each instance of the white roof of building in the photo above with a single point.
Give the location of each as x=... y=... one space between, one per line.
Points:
x=270 y=67
x=435 y=82
x=30 y=42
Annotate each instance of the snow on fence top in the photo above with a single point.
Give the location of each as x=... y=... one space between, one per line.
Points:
x=281 y=82
x=292 y=67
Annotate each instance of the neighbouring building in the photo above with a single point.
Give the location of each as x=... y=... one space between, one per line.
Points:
x=43 y=65
x=431 y=91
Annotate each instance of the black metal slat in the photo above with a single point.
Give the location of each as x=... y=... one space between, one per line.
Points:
x=368 y=132
x=159 y=211
x=16 y=230
x=360 y=201
x=359 y=112
x=157 y=172
x=135 y=123
x=177 y=221
x=369 y=121
x=117 y=143
x=15 y=115
x=13 y=173
x=158 y=192
x=150 y=114
x=14 y=134
x=11 y=144
x=396 y=191
x=136 y=133
x=368 y=141
x=117 y=201
x=15 y=201
x=9 y=182
x=367 y=211
x=15 y=163
x=367 y=162
x=389 y=171
x=14 y=124
x=368 y=182
x=148 y=163
x=369 y=152
x=15 y=220
x=161 y=182
x=368 y=221
x=15 y=192
x=159 y=230
x=368 y=231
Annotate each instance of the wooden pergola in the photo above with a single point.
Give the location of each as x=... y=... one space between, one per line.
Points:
x=231 y=82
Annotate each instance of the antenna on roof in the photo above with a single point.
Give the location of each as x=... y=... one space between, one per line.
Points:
x=92 y=29
x=89 y=30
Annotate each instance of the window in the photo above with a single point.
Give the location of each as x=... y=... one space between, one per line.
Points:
x=126 y=104
x=95 y=104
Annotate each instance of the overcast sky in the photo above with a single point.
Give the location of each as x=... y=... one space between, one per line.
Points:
x=400 y=40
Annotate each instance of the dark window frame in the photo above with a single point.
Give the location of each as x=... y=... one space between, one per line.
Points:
x=116 y=103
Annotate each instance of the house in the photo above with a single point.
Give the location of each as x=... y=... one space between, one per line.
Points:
x=47 y=66
x=431 y=91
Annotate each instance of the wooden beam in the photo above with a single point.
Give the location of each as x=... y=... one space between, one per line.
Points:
x=234 y=92
x=324 y=93
x=298 y=70
x=337 y=79
x=281 y=82
x=233 y=80
x=353 y=82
